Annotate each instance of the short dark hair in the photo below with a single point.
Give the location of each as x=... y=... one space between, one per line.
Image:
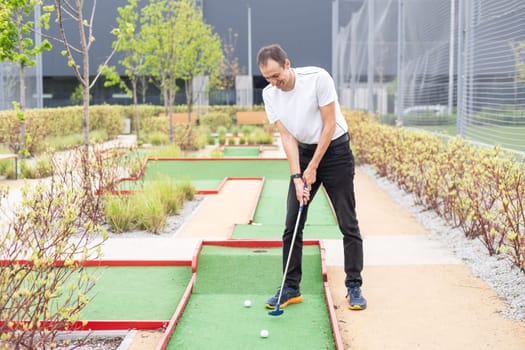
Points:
x=274 y=52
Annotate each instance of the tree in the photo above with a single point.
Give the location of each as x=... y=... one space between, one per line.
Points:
x=158 y=22
x=199 y=49
x=134 y=62
x=180 y=46
x=229 y=67
x=72 y=11
x=17 y=46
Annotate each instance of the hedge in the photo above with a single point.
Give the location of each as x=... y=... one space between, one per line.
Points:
x=481 y=190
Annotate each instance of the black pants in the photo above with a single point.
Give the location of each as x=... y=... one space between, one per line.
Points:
x=336 y=173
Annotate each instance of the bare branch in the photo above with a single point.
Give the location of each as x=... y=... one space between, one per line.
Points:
x=104 y=64
x=70 y=10
x=65 y=40
x=91 y=21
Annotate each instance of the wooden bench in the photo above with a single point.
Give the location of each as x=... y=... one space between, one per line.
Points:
x=251 y=118
x=181 y=118
x=8 y=156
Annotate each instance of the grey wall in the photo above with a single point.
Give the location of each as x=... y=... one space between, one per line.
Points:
x=302 y=27
x=54 y=64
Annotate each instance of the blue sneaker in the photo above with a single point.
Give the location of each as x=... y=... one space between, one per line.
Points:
x=289 y=296
x=356 y=301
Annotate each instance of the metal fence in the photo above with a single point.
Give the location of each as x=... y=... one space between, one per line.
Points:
x=10 y=79
x=454 y=65
x=10 y=86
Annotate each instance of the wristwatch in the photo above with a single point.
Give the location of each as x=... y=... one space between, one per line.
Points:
x=296 y=176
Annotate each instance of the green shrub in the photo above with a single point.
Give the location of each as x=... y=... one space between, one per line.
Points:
x=43 y=167
x=235 y=130
x=27 y=171
x=135 y=166
x=152 y=215
x=158 y=138
x=97 y=136
x=7 y=168
x=36 y=168
x=121 y=213
x=168 y=193
x=259 y=136
x=481 y=190
x=216 y=153
x=166 y=151
x=222 y=131
x=148 y=209
x=187 y=189
x=210 y=140
x=151 y=124
x=214 y=120
x=246 y=130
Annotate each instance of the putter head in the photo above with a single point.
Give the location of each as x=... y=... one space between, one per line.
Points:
x=276 y=312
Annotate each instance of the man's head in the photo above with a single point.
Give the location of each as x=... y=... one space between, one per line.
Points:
x=275 y=67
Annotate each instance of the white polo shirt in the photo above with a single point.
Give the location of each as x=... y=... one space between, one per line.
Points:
x=298 y=109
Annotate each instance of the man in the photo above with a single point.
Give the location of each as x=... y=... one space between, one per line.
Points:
x=303 y=103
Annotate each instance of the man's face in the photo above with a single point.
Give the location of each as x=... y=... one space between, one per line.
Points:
x=280 y=77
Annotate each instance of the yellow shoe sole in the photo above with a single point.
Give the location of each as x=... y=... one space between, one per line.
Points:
x=354 y=307
x=295 y=300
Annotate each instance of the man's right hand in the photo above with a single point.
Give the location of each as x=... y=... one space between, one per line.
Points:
x=302 y=191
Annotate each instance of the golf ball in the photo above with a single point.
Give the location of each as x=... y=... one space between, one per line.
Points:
x=265 y=333
x=247 y=303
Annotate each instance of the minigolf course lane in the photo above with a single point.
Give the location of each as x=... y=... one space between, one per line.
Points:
x=136 y=292
x=216 y=318
x=207 y=175
x=241 y=151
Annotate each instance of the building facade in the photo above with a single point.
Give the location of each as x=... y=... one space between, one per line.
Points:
x=303 y=28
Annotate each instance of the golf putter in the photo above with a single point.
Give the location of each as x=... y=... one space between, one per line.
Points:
x=278 y=311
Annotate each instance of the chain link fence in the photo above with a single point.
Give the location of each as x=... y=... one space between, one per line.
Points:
x=452 y=66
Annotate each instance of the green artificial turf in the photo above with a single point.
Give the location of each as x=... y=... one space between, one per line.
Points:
x=136 y=292
x=241 y=151
x=215 y=317
x=208 y=174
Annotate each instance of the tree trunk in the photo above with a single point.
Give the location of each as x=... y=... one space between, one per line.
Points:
x=144 y=88
x=189 y=98
x=23 y=101
x=22 y=122
x=84 y=78
x=168 y=106
x=136 y=116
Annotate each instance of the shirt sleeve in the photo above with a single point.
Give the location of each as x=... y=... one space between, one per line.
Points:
x=326 y=93
x=272 y=117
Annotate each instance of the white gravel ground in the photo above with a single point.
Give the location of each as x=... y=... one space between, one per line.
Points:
x=497 y=271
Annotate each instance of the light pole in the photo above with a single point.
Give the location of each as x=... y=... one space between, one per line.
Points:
x=249 y=39
x=38 y=75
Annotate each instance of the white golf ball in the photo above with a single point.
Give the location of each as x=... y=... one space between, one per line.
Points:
x=247 y=303
x=265 y=333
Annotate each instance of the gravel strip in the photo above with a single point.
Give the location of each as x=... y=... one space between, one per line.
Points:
x=497 y=271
